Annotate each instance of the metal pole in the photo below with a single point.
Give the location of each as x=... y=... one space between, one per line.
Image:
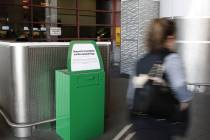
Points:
x=77 y=19
x=113 y=18
x=31 y=20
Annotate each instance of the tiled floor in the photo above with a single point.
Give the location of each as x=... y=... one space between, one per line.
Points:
x=200 y=117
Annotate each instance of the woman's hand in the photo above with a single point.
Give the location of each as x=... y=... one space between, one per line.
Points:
x=139 y=81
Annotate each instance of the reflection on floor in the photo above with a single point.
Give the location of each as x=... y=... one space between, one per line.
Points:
x=117 y=120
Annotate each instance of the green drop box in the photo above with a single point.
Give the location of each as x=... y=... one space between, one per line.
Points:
x=80 y=93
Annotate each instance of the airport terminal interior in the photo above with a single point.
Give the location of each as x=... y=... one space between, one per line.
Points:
x=66 y=67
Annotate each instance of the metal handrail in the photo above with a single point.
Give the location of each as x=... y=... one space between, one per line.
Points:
x=16 y=125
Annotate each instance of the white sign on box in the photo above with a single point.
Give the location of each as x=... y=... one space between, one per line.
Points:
x=84 y=57
x=55 y=31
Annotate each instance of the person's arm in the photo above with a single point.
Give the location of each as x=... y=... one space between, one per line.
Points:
x=175 y=74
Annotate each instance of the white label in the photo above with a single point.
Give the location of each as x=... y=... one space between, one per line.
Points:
x=5 y=28
x=43 y=29
x=84 y=57
x=55 y=31
x=26 y=29
x=35 y=29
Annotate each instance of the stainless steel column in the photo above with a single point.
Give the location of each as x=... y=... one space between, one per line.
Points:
x=20 y=82
x=193 y=42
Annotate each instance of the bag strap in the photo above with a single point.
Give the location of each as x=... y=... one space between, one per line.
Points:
x=157 y=70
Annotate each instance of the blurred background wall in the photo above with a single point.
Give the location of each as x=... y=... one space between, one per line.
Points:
x=135 y=17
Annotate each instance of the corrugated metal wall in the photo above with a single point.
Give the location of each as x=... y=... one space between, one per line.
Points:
x=135 y=17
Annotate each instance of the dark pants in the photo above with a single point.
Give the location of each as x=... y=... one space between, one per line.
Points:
x=148 y=128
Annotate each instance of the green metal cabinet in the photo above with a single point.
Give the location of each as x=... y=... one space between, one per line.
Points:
x=80 y=96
